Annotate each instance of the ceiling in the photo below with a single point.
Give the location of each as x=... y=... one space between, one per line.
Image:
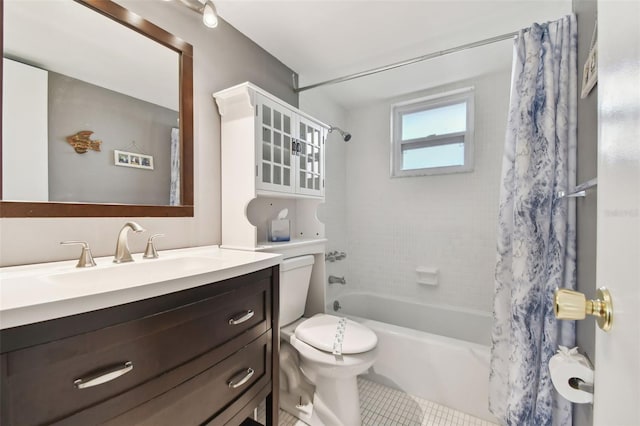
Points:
x=324 y=39
x=44 y=34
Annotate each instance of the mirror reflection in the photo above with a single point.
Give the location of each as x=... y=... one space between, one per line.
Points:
x=90 y=109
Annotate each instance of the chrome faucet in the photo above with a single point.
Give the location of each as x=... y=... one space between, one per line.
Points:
x=332 y=256
x=123 y=254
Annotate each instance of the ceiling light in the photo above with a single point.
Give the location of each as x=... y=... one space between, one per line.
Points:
x=209 y=15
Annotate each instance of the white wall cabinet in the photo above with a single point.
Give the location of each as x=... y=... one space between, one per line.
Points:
x=290 y=151
x=287 y=144
x=272 y=158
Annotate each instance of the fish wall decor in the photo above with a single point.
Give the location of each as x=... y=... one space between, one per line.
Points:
x=82 y=142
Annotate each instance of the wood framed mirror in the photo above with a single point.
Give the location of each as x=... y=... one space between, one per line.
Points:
x=90 y=184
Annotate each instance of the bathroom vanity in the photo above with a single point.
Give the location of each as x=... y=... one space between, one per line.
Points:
x=190 y=338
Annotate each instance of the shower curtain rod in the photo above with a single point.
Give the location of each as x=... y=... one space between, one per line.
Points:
x=408 y=61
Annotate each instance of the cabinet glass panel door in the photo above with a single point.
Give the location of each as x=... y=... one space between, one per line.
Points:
x=274 y=151
x=310 y=178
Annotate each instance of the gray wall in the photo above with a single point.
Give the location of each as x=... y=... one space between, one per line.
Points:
x=117 y=120
x=585 y=11
x=222 y=57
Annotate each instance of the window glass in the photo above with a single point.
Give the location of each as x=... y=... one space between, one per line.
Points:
x=432 y=156
x=433 y=135
x=436 y=121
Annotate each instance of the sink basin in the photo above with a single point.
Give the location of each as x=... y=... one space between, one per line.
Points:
x=138 y=273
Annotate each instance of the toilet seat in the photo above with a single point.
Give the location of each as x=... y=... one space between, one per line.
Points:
x=327 y=359
x=320 y=330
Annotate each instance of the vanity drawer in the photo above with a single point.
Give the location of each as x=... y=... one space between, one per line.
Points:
x=204 y=396
x=43 y=376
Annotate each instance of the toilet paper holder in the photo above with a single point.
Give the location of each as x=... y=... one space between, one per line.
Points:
x=578 y=383
x=573 y=305
x=572 y=375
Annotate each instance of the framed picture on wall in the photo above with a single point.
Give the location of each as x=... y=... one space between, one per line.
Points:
x=132 y=159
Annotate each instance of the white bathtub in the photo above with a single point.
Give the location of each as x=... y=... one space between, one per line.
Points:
x=450 y=370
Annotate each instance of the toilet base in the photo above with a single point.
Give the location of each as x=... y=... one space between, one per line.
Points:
x=296 y=393
x=336 y=402
x=291 y=404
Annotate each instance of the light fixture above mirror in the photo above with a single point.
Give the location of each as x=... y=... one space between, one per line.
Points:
x=209 y=15
x=204 y=7
x=173 y=99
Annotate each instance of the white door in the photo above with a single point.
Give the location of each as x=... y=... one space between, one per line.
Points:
x=24 y=132
x=617 y=363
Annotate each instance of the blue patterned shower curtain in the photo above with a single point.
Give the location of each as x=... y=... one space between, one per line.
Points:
x=174 y=184
x=536 y=230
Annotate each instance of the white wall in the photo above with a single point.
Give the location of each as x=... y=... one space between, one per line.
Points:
x=222 y=57
x=333 y=212
x=443 y=221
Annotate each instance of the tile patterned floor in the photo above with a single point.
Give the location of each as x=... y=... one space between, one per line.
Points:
x=384 y=406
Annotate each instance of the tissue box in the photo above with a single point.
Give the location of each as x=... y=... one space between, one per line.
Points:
x=279 y=230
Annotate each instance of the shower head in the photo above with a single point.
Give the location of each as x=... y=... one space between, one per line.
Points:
x=346 y=136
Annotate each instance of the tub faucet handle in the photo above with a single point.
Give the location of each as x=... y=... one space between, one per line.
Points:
x=335 y=280
x=332 y=256
x=86 y=258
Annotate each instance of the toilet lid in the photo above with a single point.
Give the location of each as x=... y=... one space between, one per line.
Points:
x=320 y=330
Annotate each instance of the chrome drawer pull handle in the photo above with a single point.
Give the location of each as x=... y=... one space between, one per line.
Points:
x=242 y=317
x=104 y=376
x=244 y=378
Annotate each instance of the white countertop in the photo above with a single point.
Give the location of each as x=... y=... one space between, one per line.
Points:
x=40 y=292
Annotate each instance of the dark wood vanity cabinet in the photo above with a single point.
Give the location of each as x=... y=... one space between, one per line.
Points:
x=205 y=355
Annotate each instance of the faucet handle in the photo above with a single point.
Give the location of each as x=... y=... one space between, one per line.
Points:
x=151 y=252
x=86 y=258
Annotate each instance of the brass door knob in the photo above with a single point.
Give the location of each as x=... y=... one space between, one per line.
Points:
x=572 y=305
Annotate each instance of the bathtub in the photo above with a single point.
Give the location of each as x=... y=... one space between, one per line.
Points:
x=415 y=357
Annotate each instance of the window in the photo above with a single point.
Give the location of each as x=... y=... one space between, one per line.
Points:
x=433 y=135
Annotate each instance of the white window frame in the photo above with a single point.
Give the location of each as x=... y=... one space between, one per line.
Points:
x=424 y=104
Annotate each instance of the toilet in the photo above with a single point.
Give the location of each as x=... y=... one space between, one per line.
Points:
x=329 y=351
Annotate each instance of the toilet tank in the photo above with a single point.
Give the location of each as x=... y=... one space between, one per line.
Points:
x=295 y=275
